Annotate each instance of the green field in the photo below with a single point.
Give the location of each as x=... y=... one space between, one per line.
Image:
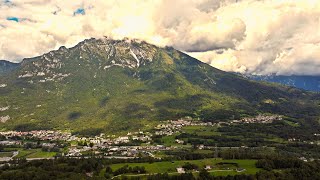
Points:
x=5 y=154
x=199 y=130
x=293 y=124
x=202 y=130
x=169 y=140
x=218 y=170
x=41 y=154
x=34 y=153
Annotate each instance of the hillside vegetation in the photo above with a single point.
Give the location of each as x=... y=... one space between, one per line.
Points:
x=106 y=85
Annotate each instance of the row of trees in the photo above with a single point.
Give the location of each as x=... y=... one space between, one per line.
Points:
x=225 y=153
x=126 y=169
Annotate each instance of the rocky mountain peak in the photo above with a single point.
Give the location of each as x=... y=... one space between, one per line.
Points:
x=91 y=55
x=108 y=52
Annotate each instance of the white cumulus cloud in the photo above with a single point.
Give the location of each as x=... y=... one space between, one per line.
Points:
x=248 y=36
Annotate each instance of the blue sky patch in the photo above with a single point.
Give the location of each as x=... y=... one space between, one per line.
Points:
x=13 y=19
x=6 y=3
x=80 y=11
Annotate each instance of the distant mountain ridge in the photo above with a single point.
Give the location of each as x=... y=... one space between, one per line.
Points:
x=310 y=83
x=6 y=66
x=117 y=85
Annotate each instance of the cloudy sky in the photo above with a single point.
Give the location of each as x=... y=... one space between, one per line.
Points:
x=248 y=36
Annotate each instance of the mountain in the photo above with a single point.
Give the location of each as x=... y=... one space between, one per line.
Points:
x=108 y=85
x=310 y=83
x=6 y=66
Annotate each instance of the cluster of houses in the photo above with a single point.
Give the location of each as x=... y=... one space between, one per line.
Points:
x=171 y=127
x=307 y=142
x=181 y=170
x=41 y=135
x=102 y=140
x=117 y=151
x=3 y=85
x=133 y=151
x=111 y=145
x=108 y=145
x=10 y=143
x=259 y=119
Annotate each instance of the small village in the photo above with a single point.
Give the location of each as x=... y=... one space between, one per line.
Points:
x=131 y=145
x=259 y=119
x=171 y=127
x=106 y=145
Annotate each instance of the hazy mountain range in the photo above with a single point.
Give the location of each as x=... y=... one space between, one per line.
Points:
x=6 y=66
x=311 y=83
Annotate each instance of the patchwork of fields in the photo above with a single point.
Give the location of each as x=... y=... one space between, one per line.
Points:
x=219 y=167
